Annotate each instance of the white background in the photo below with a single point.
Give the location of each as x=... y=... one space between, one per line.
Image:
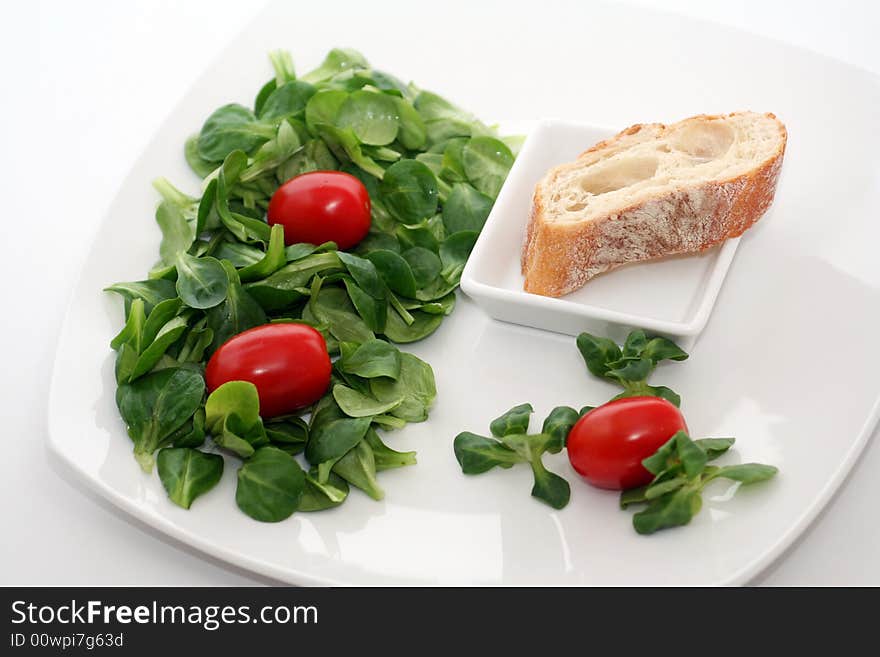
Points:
x=86 y=85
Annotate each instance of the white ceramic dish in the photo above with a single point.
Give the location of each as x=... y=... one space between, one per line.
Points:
x=787 y=363
x=671 y=297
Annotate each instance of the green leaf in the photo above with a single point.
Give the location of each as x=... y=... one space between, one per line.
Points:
x=371 y=310
x=207 y=217
x=693 y=458
x=244 y=228
x=386 y=458
x=486 y=163
x=466 y=209
x=287 y=100
x=285 y=285
x=299 y=251
x=155 y=405
x=477 y=454
x=558 y=425
x=170 y=333
x=345 y=144
x=661 y=460
x=151 y=292
x=336 y=61
x=133 y=331
x=424 y=264
x=274 y=259
x=187 y=473
x=671 y=510
x=747 y=473
x=659 y=349
x=290 y=433
x=395 y=271
x=239 y=397
x=324 y=107
x=356 y=404
x=364 y=273
x=313 y=156
x=633 y=496
x=232 y=417
x=549 y=487
x=454 y=253
x=332 y=306
x=331 y=440
x=264 y=92
x=663 y=487
x=715 y=447
x=358 y=468
x=516 y=420
x=270 y=485
x=201 y=282
x=514 y=143
x=664 y=393
x=635 y=343
x=231 y=127
x=372 y=359
x=451 y=168
x=417 y=235
x=177 y=232
x=200 y=166
x=409 y=191
x=239 y=254
x=282 y=62
x=597 y=353
x=273 y=153
x=422 y=325
x=377 y=241
x=319 y=496
x=371 y=115
x=126 y=359
x=442 y=306
x=192 y=433
x=415 y=385
x=632 y=371
x=412 y=128
x=237 y=313
x=389 y=422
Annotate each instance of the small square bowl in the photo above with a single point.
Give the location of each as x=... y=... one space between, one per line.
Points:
x=672 y=297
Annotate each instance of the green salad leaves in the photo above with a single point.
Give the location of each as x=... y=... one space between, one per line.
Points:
x=680 y=473
x=432 y=171
x=513 y=444
x=630 y=365
x=680 y=467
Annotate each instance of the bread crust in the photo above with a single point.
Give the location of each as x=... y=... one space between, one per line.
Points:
x=558 y=258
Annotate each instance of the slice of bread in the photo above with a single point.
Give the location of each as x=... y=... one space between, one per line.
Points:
x=651 y=191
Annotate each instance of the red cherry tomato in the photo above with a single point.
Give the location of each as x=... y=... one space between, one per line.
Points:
x=608 y=444
x=322 y=206
x=288 y=363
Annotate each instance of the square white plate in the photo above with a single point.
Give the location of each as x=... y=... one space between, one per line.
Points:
x=787 y=363
x=672 y=297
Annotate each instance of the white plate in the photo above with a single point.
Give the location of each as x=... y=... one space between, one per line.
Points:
x=671 y=297
x=788 y=362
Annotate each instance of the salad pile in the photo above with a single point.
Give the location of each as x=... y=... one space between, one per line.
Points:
x=237 y=291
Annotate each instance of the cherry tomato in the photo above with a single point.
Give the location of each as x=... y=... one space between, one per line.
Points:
x=608 y=444
x=288 y=363
x=322 y=206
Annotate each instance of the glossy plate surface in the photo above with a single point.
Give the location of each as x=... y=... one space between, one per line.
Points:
x=787 y=362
